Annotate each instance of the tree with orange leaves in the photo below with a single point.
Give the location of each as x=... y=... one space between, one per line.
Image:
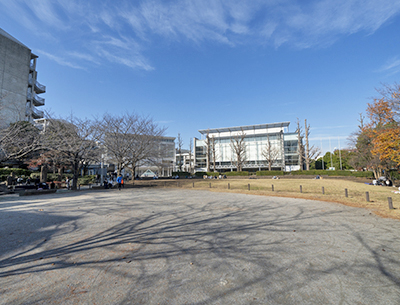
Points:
x=386 y=144
x=384 y=133
x=377 y=142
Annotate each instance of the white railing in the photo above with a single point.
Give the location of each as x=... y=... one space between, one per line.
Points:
x=37 y=113
x=40 y=86
x=37 y=100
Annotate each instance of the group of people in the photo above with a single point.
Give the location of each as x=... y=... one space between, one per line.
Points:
x=108 y=183
x=214 y=177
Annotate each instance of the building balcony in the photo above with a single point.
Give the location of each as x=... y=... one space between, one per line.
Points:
x=36 y=100
x=36 y=114
x=39 y=88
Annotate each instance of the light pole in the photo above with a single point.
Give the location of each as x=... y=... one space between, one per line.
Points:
x=101 y=170
x=330 y=151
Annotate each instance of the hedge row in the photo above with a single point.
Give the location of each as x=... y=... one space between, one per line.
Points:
x=181 y=174
x=270 y=173
x=337 y=173
x=17 y=172
x=201 y=174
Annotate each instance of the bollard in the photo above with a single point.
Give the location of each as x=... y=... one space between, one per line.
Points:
x=323 y=191
x=367 y=196
x=248 y=187
x=272 y=187
x=301 y=189
x=229 y=186
x=210 y=185
x=346 y=193
x=390 y=203
x=193 y=184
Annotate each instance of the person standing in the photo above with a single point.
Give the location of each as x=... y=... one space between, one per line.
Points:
x=119 y=181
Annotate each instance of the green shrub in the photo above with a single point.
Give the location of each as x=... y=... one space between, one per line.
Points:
x=89 y=179
x=335 y=173
x=244 y=173
x=17 y=172
x=181 y=174
x=270 y=173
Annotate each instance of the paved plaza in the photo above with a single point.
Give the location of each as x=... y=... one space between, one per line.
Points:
x=171 y=246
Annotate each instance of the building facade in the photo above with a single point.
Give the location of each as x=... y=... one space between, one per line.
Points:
x=19 y=88
x=161 y=162
x=257 y=139
x=184 y=161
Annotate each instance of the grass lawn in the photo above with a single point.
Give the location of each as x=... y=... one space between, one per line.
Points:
x=334 y=191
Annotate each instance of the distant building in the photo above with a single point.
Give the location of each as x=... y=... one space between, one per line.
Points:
x=184 y=161
x=161 y=163
x=19 y=88
x=256 y=139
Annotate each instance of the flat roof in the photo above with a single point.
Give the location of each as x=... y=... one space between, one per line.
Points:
x=5 y=34
x=248 y=127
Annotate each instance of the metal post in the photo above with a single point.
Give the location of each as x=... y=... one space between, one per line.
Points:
x=272 y=187
x=177 y=183
x=346 y=193
x=229 y=186
x=193 y=184
x=367 y=196
x=210 y=185
x=323 y=191
x=248 y=187
x=301 y=189
x=390 y=203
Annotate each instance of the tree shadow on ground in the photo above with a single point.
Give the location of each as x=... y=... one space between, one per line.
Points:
x=239 y=245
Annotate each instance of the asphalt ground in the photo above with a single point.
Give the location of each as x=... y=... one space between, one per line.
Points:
x=171 y=246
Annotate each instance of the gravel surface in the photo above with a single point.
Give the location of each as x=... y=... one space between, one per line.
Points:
x=166 y=246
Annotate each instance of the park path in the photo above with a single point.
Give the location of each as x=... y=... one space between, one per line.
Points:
x=171 y=246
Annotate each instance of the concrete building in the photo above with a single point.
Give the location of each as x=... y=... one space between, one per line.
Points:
x=284 y=143
x=19 y=88
x=160 y=164
x=184 y=161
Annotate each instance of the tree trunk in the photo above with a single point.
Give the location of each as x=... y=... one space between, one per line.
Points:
x=43 y=173
x=75 y=176
x=60 y=173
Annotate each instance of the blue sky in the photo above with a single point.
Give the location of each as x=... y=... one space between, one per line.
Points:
x=205 y=64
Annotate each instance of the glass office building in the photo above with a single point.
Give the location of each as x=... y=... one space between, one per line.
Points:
x=282 y=142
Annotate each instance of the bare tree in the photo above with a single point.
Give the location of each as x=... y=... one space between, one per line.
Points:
x=190 y=156
x=179 y=144
x=391 y=93
x=19 y=141
x=147 y=146
x=239 y=146
x=208 y=150
x=75 y=140
x=300 y=146
x=270 y=153
x=213 y=150
x=310 y=152
x=129 y=139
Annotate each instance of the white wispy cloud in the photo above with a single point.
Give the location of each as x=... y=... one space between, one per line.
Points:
x=125 y=29
x=392 y=66
x=60 y=60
